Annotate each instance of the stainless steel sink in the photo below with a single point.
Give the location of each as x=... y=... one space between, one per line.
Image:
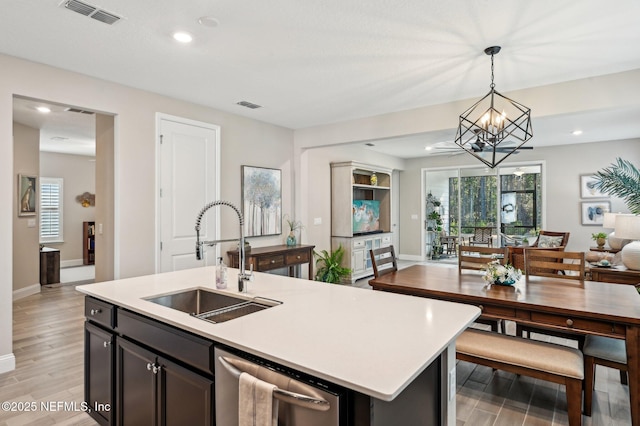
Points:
x=212 y=306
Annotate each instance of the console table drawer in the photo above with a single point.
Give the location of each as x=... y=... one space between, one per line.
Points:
x=298 y=257
x=270 y=262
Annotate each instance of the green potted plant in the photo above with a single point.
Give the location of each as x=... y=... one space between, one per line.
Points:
x=329 y=267
x=600 y=238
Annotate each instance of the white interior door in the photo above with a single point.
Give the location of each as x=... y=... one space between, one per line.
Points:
x=188 y=177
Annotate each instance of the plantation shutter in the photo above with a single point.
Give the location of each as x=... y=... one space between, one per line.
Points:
x=51 y=210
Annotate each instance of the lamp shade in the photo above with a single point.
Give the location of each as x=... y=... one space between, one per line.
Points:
x=609 y=220
x=628 y=226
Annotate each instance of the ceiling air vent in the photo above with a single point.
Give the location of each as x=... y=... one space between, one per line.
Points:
x=249 y=104
x=91 y=11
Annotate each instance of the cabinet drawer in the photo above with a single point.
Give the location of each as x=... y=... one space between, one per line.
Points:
x=358 y=244
x=190 y=349
x=270 y=262
x=100 y=312
x=386 y=239
x=297 y=257
x=570 y=323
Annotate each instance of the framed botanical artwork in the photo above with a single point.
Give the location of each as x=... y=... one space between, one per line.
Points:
x=27 y=199
x=261 y=201
x=593 y=212
x=587 y=187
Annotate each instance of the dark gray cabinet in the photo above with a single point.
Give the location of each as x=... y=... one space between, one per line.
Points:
x=139 y=371
x=153 y=390
x=99 y=370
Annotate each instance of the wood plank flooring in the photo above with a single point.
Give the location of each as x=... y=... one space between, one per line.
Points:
x=48 y=345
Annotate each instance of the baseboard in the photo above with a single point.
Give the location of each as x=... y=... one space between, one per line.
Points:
x=26 y=291
x=410 y=257
x=71 y=263
x=7 y=363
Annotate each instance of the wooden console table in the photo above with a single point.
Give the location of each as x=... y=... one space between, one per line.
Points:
x=614 y=275
x=275 y=257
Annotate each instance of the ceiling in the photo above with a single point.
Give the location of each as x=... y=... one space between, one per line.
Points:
x=314 y=63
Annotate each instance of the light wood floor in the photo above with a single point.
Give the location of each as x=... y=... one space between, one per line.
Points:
x=48 y=345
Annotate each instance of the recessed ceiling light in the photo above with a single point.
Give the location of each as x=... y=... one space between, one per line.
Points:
x=208 y=21
x=428 y=148
x=44 y=109
x=183 y=37
x=576 y=132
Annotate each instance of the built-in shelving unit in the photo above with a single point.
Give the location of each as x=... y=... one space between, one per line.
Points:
x=360 y=213
x=88 y=243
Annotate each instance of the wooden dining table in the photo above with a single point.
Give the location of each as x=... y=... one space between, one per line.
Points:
x=589 y=307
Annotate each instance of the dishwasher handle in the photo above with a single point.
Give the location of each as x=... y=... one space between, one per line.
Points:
x=306 y=401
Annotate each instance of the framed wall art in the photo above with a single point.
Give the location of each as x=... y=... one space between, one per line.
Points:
x=27 y=199
x=587 y=187
x=261 y=201
x=593 y=212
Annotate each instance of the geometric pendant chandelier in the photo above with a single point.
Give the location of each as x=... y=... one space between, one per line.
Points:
x=494 y=127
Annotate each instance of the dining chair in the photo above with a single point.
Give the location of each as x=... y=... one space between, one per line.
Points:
x=476 y=258
x=553 y=263
x=383 y=260
x=482 y=235
x=606 y=351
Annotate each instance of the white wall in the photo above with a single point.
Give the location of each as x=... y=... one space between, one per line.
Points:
x=243 y=141
x=78 y=173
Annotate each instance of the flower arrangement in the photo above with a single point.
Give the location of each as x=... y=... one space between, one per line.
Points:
x=496 y=273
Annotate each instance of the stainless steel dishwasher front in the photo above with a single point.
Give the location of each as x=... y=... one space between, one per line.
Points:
x=299 y=404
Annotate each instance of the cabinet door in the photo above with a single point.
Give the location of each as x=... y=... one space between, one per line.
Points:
x=358 y=259
x=185 y=398
x=99 y=362
x=136 y=384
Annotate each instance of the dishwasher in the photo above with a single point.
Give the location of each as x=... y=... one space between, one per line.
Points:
x=302 y=401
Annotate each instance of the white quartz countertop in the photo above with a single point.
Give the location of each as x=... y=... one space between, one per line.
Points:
x=373 y=342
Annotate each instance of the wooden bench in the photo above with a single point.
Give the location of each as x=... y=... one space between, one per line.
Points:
x=533 y=358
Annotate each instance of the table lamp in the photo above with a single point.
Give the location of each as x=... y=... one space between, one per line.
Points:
x=609 y=222
x=628 y=227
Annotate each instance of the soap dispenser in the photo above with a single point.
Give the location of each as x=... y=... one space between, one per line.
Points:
x=221 y=274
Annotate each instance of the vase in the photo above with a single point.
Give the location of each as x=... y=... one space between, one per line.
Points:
x=505 y=282
x=291 y=239
x=600 y=242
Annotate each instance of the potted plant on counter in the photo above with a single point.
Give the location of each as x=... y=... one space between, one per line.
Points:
x=600 y=238
x=329 y=266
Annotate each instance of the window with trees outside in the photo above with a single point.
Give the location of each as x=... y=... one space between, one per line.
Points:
x=507 y=199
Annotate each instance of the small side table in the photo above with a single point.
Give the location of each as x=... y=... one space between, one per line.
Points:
x=49 y=265
x=619 y=275
x=604 y=249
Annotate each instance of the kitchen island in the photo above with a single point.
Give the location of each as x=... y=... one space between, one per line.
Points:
x=372 y=344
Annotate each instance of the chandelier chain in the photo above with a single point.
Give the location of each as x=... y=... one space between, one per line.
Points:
x=492 y=85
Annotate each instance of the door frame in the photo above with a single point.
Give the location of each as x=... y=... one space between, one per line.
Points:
x=187 y=121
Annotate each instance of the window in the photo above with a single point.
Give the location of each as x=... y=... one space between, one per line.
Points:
x=51 y=210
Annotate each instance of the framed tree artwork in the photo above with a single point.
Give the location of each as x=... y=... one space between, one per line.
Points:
x=261 y=201
x=27 y=199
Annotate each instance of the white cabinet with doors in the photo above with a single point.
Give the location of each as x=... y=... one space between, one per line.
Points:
x=360 y=213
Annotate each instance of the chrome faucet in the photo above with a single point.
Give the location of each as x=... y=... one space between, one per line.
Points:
x=243 y=276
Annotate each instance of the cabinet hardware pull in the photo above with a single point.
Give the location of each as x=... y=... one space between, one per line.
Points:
x=570 y=322
x=273 y=261
x=156 y=368
x=298 y=256
x=106 y=344
x=481 y=307
x=149 y=366
x=95 y=311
